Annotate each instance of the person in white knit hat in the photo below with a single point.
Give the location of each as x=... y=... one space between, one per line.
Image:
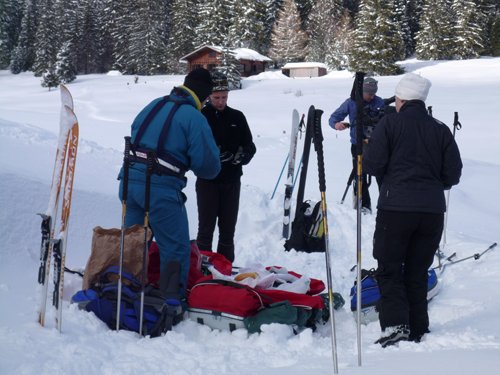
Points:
x=416 y=158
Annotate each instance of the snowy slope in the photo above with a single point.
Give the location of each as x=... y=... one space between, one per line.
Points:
x=465 y=336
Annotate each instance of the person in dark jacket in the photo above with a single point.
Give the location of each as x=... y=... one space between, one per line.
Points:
x=188 y=145
x=218 y=198
x=373 y=105
x=416 y=158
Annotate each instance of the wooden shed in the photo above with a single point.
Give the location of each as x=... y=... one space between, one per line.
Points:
x=304 y=69
x=208 y=57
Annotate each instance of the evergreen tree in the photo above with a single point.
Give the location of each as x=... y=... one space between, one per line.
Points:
x=435 y=38
x=183 y=22
x=288 y=40
x=338 y=56
x=304 y=7
x=247 y=29
x=378 y=43
x=272 y=7
x=106 y=24
x=148 y=36
x=50 y=78
x=65 y=70
x=413 y=14
x=230 y=67
x=83 y=30
x=23 y=56
x=468 y=39
x=123 y=13
x=10 y=24
x=215 y=20
x=323 y=21
x=352 y=6
x=46 y=43
x=489 y=10
x=495 y=37
x=402 y=18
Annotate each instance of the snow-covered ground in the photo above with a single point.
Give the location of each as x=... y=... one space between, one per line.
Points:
x=465 y=336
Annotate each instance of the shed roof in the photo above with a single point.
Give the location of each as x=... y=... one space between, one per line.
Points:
x=299 y=65
x=239 y=53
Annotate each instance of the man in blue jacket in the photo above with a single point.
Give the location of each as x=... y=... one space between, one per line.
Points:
x=373 y=104
x=179 y=134
x=416 y=158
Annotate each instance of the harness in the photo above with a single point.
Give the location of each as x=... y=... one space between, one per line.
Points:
x=163 y=162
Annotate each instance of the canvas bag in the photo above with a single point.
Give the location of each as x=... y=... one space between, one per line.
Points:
x=105 y=252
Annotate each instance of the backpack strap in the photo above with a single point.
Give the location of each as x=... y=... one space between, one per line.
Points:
x=151 y=115
x=164 y=163
x=114 y=270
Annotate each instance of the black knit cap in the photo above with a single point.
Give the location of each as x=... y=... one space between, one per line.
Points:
x=200 y=82
x=220 y=82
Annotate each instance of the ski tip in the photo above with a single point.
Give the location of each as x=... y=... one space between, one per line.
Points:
x=68 y=119
x=66 y=97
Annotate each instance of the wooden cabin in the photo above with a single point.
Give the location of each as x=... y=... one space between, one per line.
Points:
x=304 y=69
x=208 y=57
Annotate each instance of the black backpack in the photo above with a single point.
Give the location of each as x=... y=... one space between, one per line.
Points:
x=307 y=229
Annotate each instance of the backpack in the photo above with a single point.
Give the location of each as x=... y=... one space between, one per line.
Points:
x=370 y=294
x=307 y=229
x=160 y=313
x=227 y=305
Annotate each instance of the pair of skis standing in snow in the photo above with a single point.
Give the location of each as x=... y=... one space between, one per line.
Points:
x=55 y=228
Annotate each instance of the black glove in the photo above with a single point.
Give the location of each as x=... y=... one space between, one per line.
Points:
x=241 y=157
x=226 y=157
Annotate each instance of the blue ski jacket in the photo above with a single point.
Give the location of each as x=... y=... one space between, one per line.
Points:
x=189 y=140
x=348 y=108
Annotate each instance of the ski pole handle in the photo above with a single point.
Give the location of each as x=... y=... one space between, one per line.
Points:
x=149 y=171
x=126 y=164
x=456 y=124
x=358 y=94
x=318 y=146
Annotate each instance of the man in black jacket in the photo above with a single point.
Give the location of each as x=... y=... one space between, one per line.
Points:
x=416 y=158
x=218 y=199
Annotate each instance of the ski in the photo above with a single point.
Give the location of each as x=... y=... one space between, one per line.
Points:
x=48 y=218
x=296 y=124
x=60 y=241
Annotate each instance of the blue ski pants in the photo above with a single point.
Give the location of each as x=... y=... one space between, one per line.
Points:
x=167 y=219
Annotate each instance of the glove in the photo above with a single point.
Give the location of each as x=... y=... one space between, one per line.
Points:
x=241 y=157
x=226 y=156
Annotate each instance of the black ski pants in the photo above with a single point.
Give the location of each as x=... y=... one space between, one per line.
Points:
x=365 y=198
x=404 y=245
x=217 y=203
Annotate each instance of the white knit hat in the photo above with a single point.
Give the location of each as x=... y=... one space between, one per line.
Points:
x=412 y=86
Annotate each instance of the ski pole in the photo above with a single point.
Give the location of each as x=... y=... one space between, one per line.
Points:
x=126 y=164
x=349 y=182
x=318 y=146
x=475 y=256
x=147 y=196
x=279 y=178
x=456 y=126
x=358 y=92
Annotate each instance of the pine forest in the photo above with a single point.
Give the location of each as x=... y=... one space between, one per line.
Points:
x=59 y=39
